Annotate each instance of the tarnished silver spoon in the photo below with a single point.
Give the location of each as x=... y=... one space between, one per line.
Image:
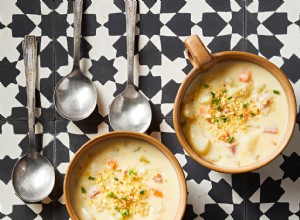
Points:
x=33 y=175
x=75 y=95
x=130 y=110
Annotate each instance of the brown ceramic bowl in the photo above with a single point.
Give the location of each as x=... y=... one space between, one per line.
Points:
x=128 y=135
x=202 y=61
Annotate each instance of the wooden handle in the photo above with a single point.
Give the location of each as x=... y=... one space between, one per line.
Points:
x=198 y=54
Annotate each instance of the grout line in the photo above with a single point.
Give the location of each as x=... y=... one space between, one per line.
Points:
x=244 y=25
x=245 y=49
x=54 y=113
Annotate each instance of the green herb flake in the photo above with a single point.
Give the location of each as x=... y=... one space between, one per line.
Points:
x=230 y=139
x=241 y=116
x=116 y=179
x=206 y=86
x=219 y=108
x=216 y=101
x=142 y=192
x=123 y=198
x=212 y=94
x=276 y=92
x=216 y=120
x=131 y=172
x=91 y=178
x=115 y=197
x=230 y=97
x=111 y=194
x=224 y=90
x=83 y=190
x=117 y=209
x=253 y=114
x=125 y=213
x=223 y=118
x=245 y=105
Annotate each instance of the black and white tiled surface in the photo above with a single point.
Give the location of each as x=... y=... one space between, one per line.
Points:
x=270 y=28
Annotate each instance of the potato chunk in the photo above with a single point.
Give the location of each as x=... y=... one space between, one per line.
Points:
x=189 y=110
x=200 y=142
x=250 y=141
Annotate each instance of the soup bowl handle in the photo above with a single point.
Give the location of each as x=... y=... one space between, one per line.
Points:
x=198 y=54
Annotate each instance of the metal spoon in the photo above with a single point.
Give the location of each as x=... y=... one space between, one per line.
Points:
x=33 y=175
x=130 y=110
x=75 y=95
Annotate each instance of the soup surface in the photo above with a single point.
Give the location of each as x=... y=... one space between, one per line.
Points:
x=235 y=114
x=125 y=178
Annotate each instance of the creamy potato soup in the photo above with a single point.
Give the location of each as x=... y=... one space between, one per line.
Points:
x=125 y=179
x=235 y=114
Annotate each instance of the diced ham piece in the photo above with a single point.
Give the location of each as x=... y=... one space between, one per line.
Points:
x=112 y=164
x=232 y=147
x=204 y=109
x=246 y=75
x=157 y=193
x=272 y=130
x=157 y=178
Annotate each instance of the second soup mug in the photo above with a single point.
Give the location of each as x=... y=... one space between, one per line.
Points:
x=203 y=61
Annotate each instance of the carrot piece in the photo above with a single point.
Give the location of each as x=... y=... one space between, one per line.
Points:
x=157 y=193
x=246 y=75
x=157 y=178
x=95 y=194
x=112 y=164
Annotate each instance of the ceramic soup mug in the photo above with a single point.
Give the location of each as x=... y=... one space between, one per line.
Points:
x=208 y=130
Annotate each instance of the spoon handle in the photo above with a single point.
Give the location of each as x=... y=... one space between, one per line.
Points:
x=130 y=10
x=77 y=31
x=30 y=60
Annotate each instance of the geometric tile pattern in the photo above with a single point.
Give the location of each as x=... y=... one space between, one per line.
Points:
x=269 y=28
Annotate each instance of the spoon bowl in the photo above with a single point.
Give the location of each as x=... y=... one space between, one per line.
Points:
x=130 y=111
x=33 y=177
x=75 y=95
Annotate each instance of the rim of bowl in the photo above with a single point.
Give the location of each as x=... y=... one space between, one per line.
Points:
x=125 y=134
x=247 y=57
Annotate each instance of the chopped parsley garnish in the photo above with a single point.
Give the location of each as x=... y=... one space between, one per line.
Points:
x=245 y=105
x=83 y=190
x=116 y=178
x=219 y=108
x=276 y=92
x=216 y=120
x=117 y=209
x=125 y=213
x=142 y=192
x=91 y=178
x=115 y=197
x=205 y=86
x=131 y=172
x=253 y=114
x=124 y=198
x=241 y=116
x=111 y=194
x=230 y=139
x=223 y=118
x=224 y=90
x=216 y=101
x=212 y=94
x=230 y=97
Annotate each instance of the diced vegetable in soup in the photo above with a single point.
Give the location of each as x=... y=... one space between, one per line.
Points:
x=125 y=179
x=235 y=114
